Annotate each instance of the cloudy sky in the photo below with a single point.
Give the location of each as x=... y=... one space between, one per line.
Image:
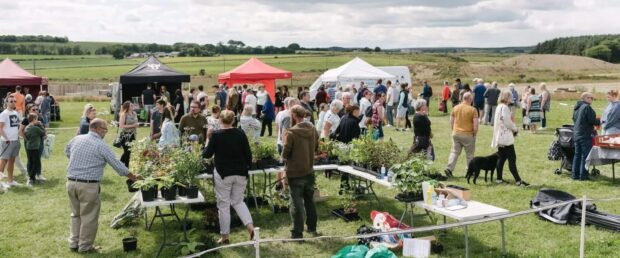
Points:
x=313 y=23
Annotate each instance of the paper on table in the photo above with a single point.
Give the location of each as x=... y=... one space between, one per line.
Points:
x=418 y=248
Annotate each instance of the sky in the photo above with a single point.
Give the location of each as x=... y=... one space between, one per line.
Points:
x=313 y=23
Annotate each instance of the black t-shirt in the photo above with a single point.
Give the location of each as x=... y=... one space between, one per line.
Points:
x=227 y=145
x=179 y=101
x=421 y=125
x=148 y=97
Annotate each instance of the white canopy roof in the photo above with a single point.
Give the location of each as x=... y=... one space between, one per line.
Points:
x=354 y=71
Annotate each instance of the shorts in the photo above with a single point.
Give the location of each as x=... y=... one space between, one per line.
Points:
x=10 y=150
x=401 y=112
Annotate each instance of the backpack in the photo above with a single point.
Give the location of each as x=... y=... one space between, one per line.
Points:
x=555 y=151
x=430 y=91
x=368 y=112
x=406 y=100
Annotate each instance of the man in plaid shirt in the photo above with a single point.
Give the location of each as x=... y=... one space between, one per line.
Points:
x=88 y=154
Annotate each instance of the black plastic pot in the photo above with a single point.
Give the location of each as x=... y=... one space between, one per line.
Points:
x=279 y=209
x=169 y=194
x=130 y=187
x=182 y=190
x=130 y=244
x=149 y=194
x=347 y=217
x=192 y=192
x=409 y=197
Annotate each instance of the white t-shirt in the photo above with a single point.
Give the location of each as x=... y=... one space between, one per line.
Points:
x=11 y=125
x=364 y=104
x=250 y=100
x=390 y=96
x=261 y=97
x=279 y=119
x=200 y=95
x=334 y=121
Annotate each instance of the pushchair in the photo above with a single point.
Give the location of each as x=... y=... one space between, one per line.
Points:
x=566 y=150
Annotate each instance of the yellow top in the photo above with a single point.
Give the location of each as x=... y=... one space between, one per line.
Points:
x=464 y=115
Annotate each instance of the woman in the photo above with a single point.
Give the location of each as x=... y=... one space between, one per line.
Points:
x=456 y=93
x=401 y=109
x=267 y=117
x=279 y=98
x=422 y=130
x=299 y=91
x=213 y=121
x=169 y=132
x=504 y=130
x=611 y=115
x=232 y=158
x=128 y=122
x=533 y=109
x=331 y=119
x=466 y=88
x=163 y=92
x=524 y=97
x=354 y=96
x=545 y=103
x=410 y=109
x=249 y=124
x=348 y=128
x=178 y=105
x=88 y=115
x=378 y=117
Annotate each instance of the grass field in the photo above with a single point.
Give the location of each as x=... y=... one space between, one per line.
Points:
x=35 y=222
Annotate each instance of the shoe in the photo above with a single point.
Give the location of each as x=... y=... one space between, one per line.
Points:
x=314 y=233
x=448 y=173
x=223 y=241
x=397 y=129
x=30 y=183
x=14 y=183
x=499 y=181
x=389 y=125
x=73 y=249
x=92 y=249
x=3 y=188
x=406 y=129
x=522 y=183
x=40 y=177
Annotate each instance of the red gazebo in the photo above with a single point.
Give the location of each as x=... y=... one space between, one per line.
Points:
x=255 y=71
x=11 y=75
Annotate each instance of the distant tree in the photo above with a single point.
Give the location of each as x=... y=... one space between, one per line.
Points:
x=294 y=46
x=377 y=49
x=118 y=53
x=599 y=52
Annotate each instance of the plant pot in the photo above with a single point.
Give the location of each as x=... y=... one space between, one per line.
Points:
x=149 y=194
x=270 y=163
x=249 y=201
x=279 y=209
x=182 y=190
x=347 y=217
x=130 y=187
x=254 y=165
x=169 y=194
x=192 y=192
x=409 y=197
x=130 y=244
x=209 y=169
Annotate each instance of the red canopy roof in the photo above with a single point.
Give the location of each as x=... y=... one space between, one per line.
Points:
x=12 y=74
x=254 y=69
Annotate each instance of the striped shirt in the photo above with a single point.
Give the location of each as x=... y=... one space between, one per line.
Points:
x=88 y=155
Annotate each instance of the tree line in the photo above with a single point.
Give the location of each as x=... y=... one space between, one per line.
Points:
x=603 y=47
x=39 y=49
x=33 y=38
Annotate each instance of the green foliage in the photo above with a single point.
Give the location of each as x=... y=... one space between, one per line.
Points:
x=410 y=174
x=362 y=150
x=343 y=151
x=263 y=150
x=145 y=183
x=365 y=151
x=190 y=246
x=188 y=163
x=604 y=47
x=599 y=52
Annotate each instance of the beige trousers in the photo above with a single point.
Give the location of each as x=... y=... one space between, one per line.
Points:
x=459 y=142
x=85 y=205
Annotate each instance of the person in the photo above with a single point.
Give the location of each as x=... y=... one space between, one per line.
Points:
x=28 y=97
x=299 y=91
x=279 y=100
x=331 y=93
x=410 y=109
x=545 y=103
x=179 y=105
x=445 y=96
x=422 y=133
x=322 y=112
x=427 y=93
x=148 y=99
x=365 y=105
x=338 y=94
x=299 y=151
x=611 y=116
x=491 y=96
x=232 y=102
x=20 y=104
x=515 y=98
x=90 y=113
x=88 y=154
x=33 y=135
x=348 y=128
x=533 y=109
x=354 y=96
x=128 y=123
x=213 y=121
x=157 y=112
x=524 y=97
x=267 y=117
x=464 y=124
x=584 y=118
x=379 y=88
x=9 y=135
x=457 y=81
x=202 y=95
x=456 y=93
x=261 y=98
x=221 y=95
x=391 y=100
x=305 y=103
x=45 y=108
x=504 y=130
x=378 y=117
x=164 y=94
x=331 y=120
x=360 y=93
x=465 y=89
x=169 y=133
x=250 y=125
x=190 y=98
x=346 y=101
x=403 y=105
x=193 y=123
x=250 y=101
x=283 y=125
x=232 y=156
x=321 y=96
x=479 y=91
x=32 y=109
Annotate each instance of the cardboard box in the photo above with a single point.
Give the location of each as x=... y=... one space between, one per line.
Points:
x=460 y=192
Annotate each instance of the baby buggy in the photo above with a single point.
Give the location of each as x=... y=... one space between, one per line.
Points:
x=563 y=149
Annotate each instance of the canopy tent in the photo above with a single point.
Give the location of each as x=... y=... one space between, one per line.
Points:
x=11 y=75
x=353 y=72
x=254 y=71
x=151 y=71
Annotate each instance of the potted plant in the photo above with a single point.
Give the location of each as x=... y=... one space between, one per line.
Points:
x=361 y=152
x=130 y=243
x=279 y=202
x=409 y=176
x=188 y=164
x=167 y=186
x=263 y=155
x=148 y=188
x=348 y=212
x=343 y=153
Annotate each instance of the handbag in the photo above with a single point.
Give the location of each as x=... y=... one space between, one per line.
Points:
x=119 y=141
x=442 y=106
x=505 y=137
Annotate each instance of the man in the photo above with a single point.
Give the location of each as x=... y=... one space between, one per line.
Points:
x=261 y=98
x=479 y=91
x=299 y=151
x=28 y=97
x=250 y=100
x=491 y=96
x=220 y=96
x=305 y=103
x=458 y=83
x=193 y=123
x=156 y=119
x=445 y=96
x=331 y=92
x=360 y=92
x=88 y=154
x=148 y=99
x=464 y=124
x=20 y=104
x=427 y=93
x=545 y=103
x=46 y=107
x=379 y=87
x=9 y=135
x=283 y=125
x=389 y=104
x=321 y=96
x=585 y=119
x=365 y=104
x=346 y=101
x=202 y=96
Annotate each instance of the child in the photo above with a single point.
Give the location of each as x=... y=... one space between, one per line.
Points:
x=323 y=111
x=33 y=134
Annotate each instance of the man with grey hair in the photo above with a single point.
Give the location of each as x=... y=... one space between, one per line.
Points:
x=491 y=96
x=585 y=119
x=88 y=154
x=283 y=124
x=464 y=124
x=346 y=101
x=478 y=98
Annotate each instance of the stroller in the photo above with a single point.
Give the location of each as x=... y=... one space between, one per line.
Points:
x=563 y=148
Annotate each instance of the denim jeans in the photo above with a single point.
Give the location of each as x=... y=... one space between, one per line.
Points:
x=582 y=149
x=302 y=204
x=390 y=114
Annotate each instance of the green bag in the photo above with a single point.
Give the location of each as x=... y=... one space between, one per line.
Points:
x=143 y=114
x=380 y=252
x=352 y=251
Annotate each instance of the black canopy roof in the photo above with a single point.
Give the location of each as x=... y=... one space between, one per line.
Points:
x=152 y=70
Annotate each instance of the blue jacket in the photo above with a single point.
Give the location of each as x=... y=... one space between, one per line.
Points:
x=268 y=110
x=585 y=120
x=479 y=91
x=426 y=92
x=612 y=118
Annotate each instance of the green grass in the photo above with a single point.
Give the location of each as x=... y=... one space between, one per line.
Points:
x=35 y=222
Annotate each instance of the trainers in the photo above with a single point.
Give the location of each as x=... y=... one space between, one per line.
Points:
x=4 y=187
x=406 y=129
x=314 y=233
x=14 y=183
x=499 y=181
x=397 y=129
x=388 y=125
x=30 y=183
x=40 y=177
x=522 y=183
x=92 y=249
x=448 y=173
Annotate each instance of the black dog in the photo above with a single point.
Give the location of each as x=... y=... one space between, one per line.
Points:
x=488 y=163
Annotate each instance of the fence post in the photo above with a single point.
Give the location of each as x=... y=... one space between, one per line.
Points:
x=256 y=243
x=583 y=228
